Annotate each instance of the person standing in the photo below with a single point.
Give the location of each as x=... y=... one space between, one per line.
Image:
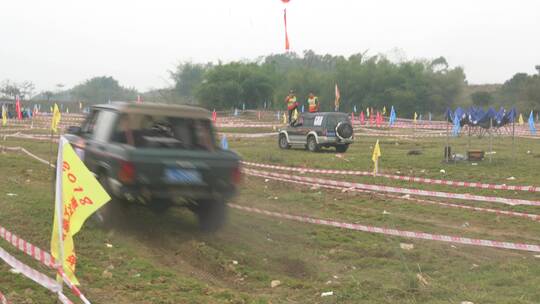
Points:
x=313 y=103
x=290 y=100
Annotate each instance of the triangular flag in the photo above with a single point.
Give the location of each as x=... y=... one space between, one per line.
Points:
x=362 y=118
x=55 y=120
x=415 y=117
x=78 y=196
x=520 y=120
x=375 y=156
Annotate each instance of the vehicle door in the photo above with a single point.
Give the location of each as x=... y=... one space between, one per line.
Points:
x=97 y=132
x=296 y=131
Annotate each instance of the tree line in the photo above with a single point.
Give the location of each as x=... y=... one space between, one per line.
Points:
x=364 y=81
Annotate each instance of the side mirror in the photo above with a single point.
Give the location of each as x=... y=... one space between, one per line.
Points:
x=74 y=130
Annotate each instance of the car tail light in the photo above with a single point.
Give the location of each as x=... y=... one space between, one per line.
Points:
x=236 y=175
x=126 y=173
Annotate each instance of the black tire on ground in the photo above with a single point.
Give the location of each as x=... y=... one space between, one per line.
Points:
x=312 y=145
x=282 y=142
x=212 y=214
x=160 y=206
x=106 y=215
x=342 y=148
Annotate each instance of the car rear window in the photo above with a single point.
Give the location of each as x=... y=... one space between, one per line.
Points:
x=166 y=132
x=333 y=120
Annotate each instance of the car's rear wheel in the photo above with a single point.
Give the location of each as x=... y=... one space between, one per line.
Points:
x=212 y=214
x=312 y=145
x=342 y=148
x=283 y=144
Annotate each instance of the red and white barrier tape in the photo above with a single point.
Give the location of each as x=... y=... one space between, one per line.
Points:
x=41 y=160
x=371 y=187
x=394 y=232
x=3 y=299
x=400 y=177
x=30 y=273
x=249 y=135
x=531 y=216
x=42 y=256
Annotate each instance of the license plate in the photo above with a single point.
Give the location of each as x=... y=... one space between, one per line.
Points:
x=331 y=134
x=183 y=176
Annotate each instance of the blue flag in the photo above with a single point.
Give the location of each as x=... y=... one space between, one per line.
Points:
x=531 y=124
x=224 y=143
x=393 y=116
x=457 y=126
x=302 y=108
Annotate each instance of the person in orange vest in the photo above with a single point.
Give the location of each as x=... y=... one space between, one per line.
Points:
x=313 y=103
x=290 y=100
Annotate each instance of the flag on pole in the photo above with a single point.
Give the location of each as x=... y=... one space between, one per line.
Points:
x=531 y=124
x=18 y=107
x=287 y=46
x=284 y=118
x=214 y=116
x=354 y=109
x=384 y=110
x=393 y=116
x=415 y=117
x=338 y=96
x=78 y=196
x=224 y=143
x=362 y=118
x=375 y=157
x=367 y=112
x=55 y=120
x=4 y=116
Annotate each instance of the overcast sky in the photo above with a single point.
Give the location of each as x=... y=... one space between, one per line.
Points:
x=137 y=42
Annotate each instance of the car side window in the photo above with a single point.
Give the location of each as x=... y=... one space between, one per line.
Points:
x=90 y=123
x=104 y=125
x=308 y=122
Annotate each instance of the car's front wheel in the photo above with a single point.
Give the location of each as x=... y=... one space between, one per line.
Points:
x=283 y=144
x=212 y=214
x=312 y=145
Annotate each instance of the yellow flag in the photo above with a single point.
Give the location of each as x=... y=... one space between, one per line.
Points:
x=284 y=118
x=415 y=116
x=375 y=156
x=376 y=152
x=81 y=196
x=384 y=110
x=4 y=116
x=520 y=120
x=55 y=120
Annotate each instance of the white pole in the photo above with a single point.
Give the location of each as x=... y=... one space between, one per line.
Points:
x=59 y=205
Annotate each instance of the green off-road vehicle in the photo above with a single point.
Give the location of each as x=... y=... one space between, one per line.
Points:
x=159 y=156
x=315 y=130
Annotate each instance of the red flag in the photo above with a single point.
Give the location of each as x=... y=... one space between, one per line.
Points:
x=362 y=118
x=18 y=107
x=214 y=116
x=287 y=46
